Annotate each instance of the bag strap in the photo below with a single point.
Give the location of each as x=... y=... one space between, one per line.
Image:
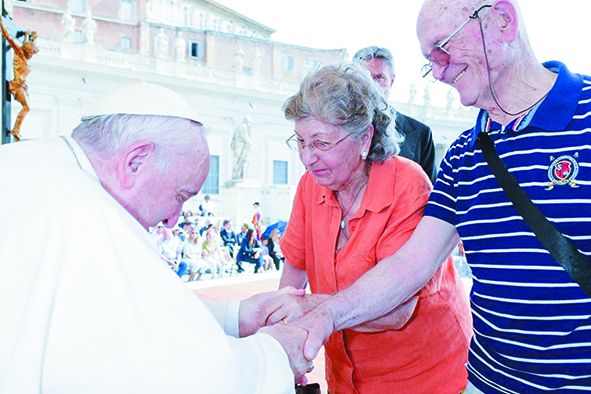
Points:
x=562 y=249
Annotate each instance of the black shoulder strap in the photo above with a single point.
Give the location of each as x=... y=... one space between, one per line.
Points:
x=563 y=251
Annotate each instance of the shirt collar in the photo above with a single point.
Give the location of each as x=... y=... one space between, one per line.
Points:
x=381 y=178
x=553 y=113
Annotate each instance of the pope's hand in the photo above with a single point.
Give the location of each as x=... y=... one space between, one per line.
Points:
x=292 y=338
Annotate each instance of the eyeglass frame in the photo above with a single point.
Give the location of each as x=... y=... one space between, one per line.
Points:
x=440 y=47
x=299 y=147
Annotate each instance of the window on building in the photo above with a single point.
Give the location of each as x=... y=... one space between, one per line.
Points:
x=76 y=5
x=212 y=183
x=126 y=10
x=312 y=64
x=197 y=50
x=125 y=43
x=78 y=36
x=279 y=172
x=287 y=63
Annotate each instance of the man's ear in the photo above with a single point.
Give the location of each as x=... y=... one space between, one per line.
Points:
x=507 y=19
x=133 y=162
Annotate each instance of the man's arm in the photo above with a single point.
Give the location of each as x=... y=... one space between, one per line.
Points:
x=390 y=283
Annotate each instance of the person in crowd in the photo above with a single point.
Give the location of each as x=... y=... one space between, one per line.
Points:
x=257 y=219
x=171 y=251
x=137 y=155
x=193 y=255
x=207 y=206
x=229 y=239
x=227 y=233
x=212 y=253
x=250 y=250
x=267 y=260
x=177 y=236
x=242 y=234
x=357 y=203
x=275 y=249
x=418 y=143
x=531 y=317
x=205 y=227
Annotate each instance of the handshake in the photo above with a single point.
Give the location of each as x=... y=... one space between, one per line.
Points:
x=302 y=322
x=293 y=319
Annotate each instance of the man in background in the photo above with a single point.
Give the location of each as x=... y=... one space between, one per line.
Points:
x=418 y=141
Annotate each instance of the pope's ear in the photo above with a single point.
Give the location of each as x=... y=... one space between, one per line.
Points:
x=134 y=161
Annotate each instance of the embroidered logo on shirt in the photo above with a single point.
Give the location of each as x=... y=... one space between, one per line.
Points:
x=563 y=171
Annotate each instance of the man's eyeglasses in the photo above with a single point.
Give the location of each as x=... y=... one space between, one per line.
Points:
x=297 y=144
x=439 y=55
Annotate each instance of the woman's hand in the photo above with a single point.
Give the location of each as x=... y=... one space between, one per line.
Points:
x=289 y=307
x=250 y=308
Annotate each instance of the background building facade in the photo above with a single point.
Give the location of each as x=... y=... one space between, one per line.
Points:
x=224 y=63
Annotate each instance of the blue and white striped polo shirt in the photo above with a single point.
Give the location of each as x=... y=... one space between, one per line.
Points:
x=532 y=322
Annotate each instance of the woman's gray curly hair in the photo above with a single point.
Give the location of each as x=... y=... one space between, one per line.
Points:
x=345 y=95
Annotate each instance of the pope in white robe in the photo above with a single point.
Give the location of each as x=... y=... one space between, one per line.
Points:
x=88 y=306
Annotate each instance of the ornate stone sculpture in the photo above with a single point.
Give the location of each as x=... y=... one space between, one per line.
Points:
x=180 y=47
x=256 y=62
x=18 y=87
x=161 y=44
x=412 y=94
x=238 y=59
x=89 y=28
x=241 y=148
x=69 y=24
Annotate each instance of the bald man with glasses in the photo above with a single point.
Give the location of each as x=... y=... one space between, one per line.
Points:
x=532 y=313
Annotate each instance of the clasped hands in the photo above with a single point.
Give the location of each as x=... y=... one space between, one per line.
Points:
x=302 y=323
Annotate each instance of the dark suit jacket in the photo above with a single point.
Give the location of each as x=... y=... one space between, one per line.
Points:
x=418 y=143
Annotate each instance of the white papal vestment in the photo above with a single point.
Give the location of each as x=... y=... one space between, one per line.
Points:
x=88 y=306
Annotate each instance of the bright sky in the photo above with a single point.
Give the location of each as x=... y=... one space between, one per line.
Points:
x=558 y=30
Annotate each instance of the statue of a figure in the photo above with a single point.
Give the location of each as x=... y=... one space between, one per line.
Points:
x=238 y=59
x=412 y=94
x=69 y=24
x=180 y=47
x=89 y=28
x=256 y=62
x=161 y=44
x=450 y=99
x=427 y=97
x=18 y=87
x=241 y=148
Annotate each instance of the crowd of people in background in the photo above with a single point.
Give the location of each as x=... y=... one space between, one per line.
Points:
x=203 y=245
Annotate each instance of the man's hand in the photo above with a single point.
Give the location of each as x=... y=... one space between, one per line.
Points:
x=289 y=307
x=320 y=325
x=250 y=308
x=292 y=339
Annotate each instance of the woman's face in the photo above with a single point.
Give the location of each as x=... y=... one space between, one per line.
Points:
x=210 y=236
x=336 y=167
x=194 y=234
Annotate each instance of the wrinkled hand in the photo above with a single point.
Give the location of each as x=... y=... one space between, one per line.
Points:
x=292 y=339
x=250 y=308
x=320 y=325
x=289 y=307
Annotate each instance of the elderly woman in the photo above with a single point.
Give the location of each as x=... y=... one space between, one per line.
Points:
x=357 y=204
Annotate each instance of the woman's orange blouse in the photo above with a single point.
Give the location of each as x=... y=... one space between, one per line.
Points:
x=428 y=354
